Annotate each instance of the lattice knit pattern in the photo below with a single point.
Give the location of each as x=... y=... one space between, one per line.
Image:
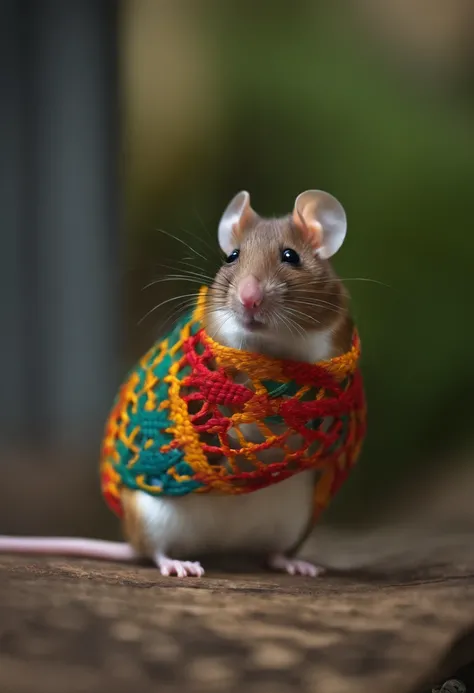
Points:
x=197 y=417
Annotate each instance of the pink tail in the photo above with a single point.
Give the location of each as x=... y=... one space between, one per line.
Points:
x=69 y=546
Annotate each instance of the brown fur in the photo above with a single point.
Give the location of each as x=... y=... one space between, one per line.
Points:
x=312 y=288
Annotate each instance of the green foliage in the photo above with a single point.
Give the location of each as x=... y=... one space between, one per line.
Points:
x=304 y=105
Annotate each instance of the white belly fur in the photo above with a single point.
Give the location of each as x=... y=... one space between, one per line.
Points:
x=265 y=521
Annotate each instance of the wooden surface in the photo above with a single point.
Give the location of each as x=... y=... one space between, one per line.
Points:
x=394 y=612
x=401 y=624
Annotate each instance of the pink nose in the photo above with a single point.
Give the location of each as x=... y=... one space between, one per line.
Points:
x=250 y=292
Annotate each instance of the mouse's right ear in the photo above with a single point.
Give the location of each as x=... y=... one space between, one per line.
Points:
x=237 y=216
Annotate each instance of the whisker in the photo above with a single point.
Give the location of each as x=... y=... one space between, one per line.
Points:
x=184 y=270
x=284 y=318
x=201 y=240
x=193 y=264
x=211 y=242
x=180 y=240
x=213 y=270
x=315 y=292
x=172 y=278
x=168 y=300
x=366 y=279
x=186 y=305
x=203 y=225
x=316 y=322
x=305 y=315
x=315 y=302
x=324 y=305
x=290 y=322
x=221 y=326
x=352 y=279
x=197 y=277
x=177 y=311
x=186 y=260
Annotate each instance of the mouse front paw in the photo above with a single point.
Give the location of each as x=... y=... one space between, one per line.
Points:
x=169 y=566
x=293 y=566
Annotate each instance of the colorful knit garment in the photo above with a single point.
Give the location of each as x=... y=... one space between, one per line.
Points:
x=197 y=417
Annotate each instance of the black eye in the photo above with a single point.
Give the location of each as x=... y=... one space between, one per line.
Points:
x=290 y=256
x=233 y=256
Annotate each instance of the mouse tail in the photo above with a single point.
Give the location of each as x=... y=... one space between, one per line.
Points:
x=69 y=546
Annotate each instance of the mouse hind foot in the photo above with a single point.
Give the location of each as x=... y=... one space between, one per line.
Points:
x=168 y=566
x=293 y=566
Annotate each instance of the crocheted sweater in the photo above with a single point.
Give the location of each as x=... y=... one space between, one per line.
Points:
x=197 y=417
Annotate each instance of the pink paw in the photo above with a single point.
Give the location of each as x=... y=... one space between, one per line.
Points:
x=293 y=566
x=168 y=566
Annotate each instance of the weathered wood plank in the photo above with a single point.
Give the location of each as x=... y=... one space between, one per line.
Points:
x=85 y=626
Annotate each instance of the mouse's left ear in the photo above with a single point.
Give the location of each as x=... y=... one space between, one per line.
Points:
x=322 y=219
x=237 y=216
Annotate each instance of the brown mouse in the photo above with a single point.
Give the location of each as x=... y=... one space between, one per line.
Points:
x=278 y=295
x=277 y=292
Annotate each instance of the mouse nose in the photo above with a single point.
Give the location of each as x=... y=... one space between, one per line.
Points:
x=250 y=292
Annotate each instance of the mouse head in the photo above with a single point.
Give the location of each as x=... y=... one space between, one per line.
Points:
x=277 y=277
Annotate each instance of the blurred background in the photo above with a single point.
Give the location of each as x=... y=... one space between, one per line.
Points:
x=119 y=119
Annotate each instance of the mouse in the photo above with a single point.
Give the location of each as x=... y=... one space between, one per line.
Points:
x=236 y=466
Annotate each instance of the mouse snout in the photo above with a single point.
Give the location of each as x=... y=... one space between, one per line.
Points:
x=250 y=292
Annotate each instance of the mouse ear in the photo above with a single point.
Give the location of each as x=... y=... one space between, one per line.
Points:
x=238 y=215
x=322 y=219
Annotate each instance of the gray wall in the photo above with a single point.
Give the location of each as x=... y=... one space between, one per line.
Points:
x=60 y=243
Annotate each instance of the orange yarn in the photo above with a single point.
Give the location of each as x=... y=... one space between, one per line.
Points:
x=181 y=423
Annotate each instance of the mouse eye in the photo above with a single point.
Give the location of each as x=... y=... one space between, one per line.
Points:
x=233 y=256
x=290 y=256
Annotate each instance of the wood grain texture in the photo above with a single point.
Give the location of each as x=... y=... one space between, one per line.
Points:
x=91 y=627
